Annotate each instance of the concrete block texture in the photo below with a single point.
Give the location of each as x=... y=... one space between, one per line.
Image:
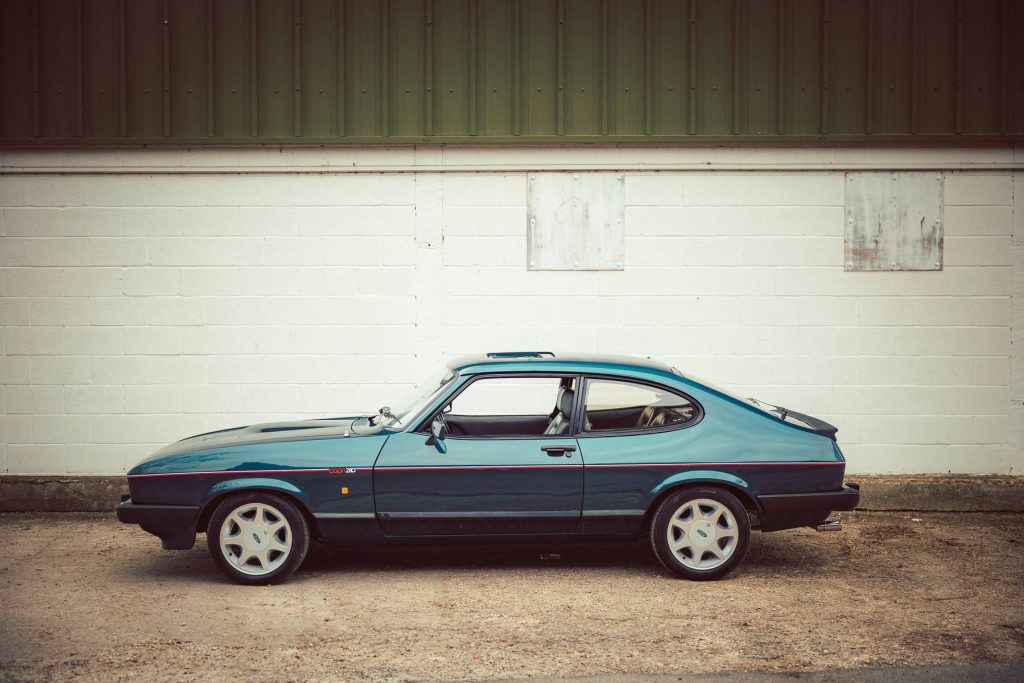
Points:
x=1016 y=388
x=142 y=307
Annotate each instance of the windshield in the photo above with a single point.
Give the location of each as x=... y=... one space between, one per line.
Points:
x=420 y=397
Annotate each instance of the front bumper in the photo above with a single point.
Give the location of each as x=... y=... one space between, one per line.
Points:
x=791 y=510
x=175 y=525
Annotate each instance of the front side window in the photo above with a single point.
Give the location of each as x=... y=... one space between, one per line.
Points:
x=507 y=396
x=512 y=406
x=616 y=405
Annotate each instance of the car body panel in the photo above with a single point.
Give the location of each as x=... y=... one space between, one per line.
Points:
x=271 y=432
x=313 y=469
x=477 y=486
x=371 y=486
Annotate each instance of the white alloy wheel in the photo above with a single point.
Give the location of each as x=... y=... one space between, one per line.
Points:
x=256 y=539
x=702 y=534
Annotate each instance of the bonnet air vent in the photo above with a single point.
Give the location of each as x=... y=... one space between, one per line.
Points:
x=287 y=429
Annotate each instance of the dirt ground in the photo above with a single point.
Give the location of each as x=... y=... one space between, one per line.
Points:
x=84 y=597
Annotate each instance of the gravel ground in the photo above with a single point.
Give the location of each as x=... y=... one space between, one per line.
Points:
x=84 y=597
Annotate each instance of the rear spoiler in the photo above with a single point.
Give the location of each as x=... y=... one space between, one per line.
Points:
x=816 y=425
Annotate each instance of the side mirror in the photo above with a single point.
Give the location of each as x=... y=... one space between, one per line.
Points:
x=438 y=429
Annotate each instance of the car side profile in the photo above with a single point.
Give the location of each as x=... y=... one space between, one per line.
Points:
x=504 y=447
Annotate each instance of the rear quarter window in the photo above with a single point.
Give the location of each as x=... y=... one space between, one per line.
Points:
x=621 y=405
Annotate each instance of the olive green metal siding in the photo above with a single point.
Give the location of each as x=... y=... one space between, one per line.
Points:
x=100 y=72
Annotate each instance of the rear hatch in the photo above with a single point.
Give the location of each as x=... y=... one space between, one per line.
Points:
x=785 y=414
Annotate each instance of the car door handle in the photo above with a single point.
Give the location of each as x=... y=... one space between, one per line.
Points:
x=557 y=451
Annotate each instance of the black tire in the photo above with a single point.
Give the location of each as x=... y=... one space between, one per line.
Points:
x=660 y=534
x=297 y=533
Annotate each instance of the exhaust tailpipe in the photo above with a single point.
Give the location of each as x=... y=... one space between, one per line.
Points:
x=830 y=525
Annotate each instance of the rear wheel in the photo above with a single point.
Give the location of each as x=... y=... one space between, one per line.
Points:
x=700 y=533
x=257 y=538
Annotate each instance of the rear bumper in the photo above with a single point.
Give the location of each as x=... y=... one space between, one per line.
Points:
x=790 y=510
x=175 y=525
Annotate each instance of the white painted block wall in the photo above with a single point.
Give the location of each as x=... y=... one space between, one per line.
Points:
x=139 y=308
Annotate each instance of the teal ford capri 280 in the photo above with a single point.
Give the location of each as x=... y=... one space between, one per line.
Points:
x=504 y=447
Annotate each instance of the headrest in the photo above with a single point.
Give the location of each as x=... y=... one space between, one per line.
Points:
x=566 y=397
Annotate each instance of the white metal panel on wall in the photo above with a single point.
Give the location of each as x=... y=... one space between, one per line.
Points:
x=894 y=221
x=576 y=221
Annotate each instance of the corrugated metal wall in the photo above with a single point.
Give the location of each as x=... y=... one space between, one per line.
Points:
x=88 y=72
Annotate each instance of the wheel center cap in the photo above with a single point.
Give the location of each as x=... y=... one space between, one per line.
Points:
x=702 y=534
x=255 y=539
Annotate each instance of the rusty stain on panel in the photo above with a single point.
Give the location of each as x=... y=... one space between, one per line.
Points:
x=893 y=221
x=575 y=221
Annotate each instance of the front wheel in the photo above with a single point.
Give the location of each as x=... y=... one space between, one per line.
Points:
x=700 y=533
x=257 y=538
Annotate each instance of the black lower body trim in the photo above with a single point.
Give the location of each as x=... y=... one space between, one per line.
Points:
x=479 y=514
x=175 y=525
x=478 y=523
x=610 y=522
x=790 y=510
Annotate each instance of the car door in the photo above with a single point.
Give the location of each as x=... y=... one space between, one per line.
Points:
x=498 y=474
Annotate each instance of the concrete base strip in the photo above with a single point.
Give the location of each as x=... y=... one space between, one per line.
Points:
x=941 y=492
x=60 y=494
x=989 y=673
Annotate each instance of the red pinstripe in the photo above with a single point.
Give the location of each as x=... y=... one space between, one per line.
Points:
x=724 y=464
x=476 y=467
x=501 y=467
x=196 y=474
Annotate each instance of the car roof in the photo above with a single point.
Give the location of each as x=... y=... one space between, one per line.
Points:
x=532 y=361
